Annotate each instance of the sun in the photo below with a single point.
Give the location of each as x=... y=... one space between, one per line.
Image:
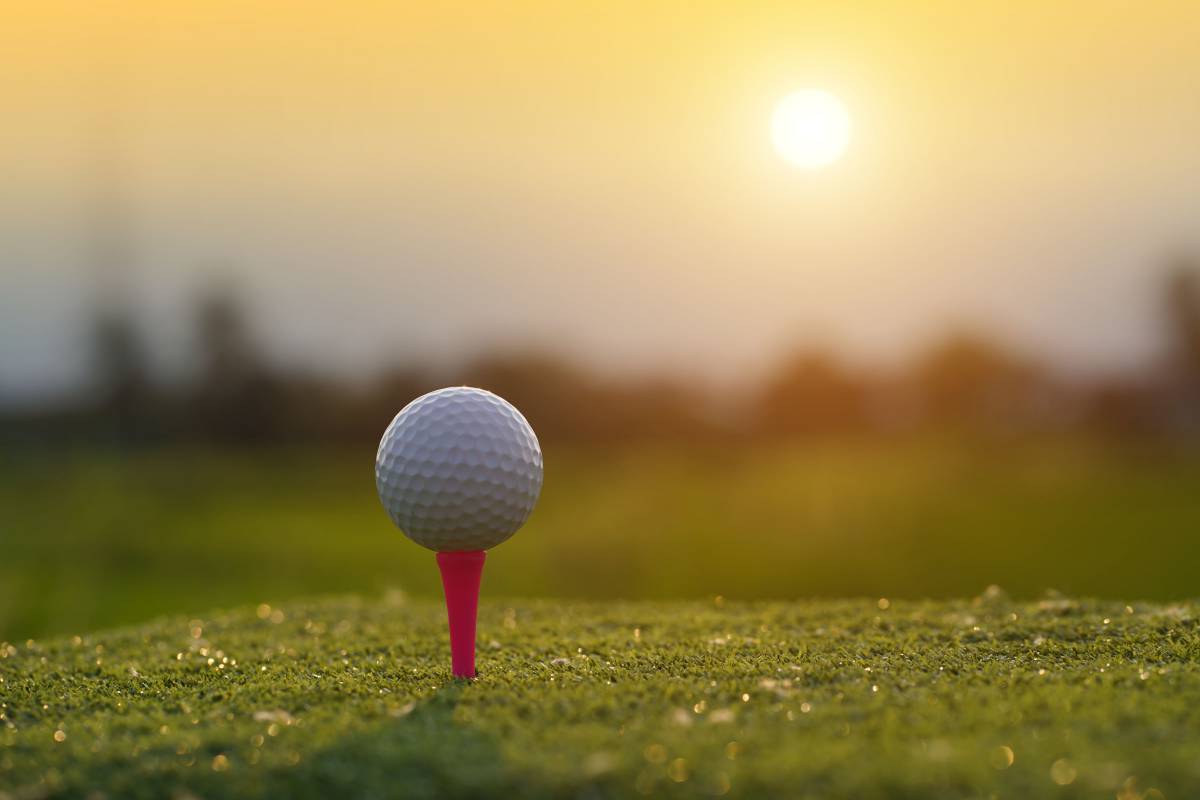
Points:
x=810 y=128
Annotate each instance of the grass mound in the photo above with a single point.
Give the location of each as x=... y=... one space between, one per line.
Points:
x=352 y=698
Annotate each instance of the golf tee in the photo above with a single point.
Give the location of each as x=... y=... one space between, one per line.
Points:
x=461 y=574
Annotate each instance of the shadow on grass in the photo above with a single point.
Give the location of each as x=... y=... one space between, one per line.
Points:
x=425 y=754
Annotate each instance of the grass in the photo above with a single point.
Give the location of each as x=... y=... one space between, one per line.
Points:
x=351 y=698
x=94 y=539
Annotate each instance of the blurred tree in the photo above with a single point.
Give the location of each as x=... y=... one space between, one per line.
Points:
x=812 y=393
x=1182 y=311
x=550 y=393
x=236 y=398
x=967 y=381
x=123 y=374
x=563 y=402
x=227 y=352
x=660 y=407
x=387 y=394
x=1124 y=405
x=1183 y=316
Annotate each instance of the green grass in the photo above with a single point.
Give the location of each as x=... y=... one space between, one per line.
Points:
x=93 y=539
x=351 y=698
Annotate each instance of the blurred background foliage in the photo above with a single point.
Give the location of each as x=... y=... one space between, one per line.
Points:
x=971 y=464
x=964 y=382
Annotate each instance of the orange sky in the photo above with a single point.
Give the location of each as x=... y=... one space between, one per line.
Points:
x=392 y=182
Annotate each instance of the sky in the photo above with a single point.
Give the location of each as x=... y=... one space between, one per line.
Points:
x=391 y=183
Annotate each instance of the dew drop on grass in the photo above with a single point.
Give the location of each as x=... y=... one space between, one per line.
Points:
x=1001 y=757
x=1062 y=772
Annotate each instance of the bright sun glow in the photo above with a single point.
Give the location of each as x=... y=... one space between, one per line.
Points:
x=810 y=128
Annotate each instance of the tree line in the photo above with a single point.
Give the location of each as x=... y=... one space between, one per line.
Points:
x=966 y=382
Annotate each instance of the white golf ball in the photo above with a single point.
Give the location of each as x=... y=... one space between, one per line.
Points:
x=459 y=469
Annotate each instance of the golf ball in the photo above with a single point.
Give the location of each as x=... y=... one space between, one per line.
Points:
x=459 y=469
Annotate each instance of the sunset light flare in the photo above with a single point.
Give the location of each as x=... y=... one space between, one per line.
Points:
x=810 y=128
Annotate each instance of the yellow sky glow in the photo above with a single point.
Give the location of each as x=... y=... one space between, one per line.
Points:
x=1015 y=163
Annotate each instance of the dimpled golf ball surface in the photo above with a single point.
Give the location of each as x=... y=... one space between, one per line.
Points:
x=459 y=469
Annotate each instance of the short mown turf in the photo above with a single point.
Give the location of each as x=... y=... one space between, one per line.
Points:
x=848 y=699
